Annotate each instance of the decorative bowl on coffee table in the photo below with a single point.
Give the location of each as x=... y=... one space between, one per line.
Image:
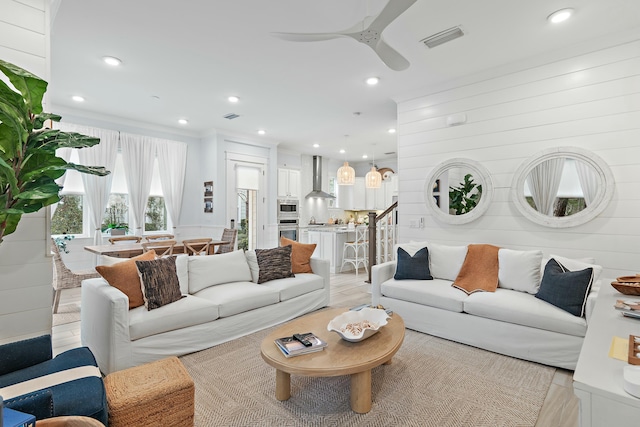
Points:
x=358 y=325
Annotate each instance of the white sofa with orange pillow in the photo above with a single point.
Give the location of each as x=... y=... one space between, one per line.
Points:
x=193 y=303
x=538 y=308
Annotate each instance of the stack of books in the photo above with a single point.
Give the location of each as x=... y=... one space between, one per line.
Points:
x=290 y=346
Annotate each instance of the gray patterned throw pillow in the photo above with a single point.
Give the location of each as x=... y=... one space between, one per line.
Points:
x=274 y=263
x=159 y=280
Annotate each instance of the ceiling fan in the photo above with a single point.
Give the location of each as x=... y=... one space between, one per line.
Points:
x=370 y=35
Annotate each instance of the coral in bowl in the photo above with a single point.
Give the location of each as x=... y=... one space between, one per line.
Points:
x=358 y=325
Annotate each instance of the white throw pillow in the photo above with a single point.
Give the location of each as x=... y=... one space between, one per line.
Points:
x=182 y=270
x=446 y=261
x=519 y=270
x=252 y=260
x=581 y=264
x=209 y=270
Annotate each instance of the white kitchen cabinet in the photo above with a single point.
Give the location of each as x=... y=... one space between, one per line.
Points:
x=288 y=183
x=359 y=194
x=329 y=245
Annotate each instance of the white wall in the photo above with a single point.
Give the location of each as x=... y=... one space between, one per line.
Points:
x=25 y=267
x=589 y=100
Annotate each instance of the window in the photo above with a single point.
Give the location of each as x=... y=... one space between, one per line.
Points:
x=67 y=217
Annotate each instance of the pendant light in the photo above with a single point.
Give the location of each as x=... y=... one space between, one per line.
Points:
x=373 y=179
x=346 y=174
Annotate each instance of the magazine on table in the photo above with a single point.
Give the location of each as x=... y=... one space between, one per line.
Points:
x=291 y=346
x=629 y=308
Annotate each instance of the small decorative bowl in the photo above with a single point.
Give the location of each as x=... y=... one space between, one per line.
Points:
x=355 y=326
x=627 y=288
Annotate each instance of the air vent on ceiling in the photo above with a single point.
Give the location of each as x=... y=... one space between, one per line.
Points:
x=442 y=37
x=389 y=153
x=231 y=116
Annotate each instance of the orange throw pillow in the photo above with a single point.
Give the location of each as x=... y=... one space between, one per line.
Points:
x=300 y=255
x=124 y=276
x=479 y=272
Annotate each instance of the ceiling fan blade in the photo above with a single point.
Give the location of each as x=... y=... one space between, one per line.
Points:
x=390 y=56
x=391 y=11
x=311 y=37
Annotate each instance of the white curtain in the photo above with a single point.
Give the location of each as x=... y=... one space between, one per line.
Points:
x=172 y=161
x=138 y=154
x=64 y=154
x=588 y=181
x=544 y=181
x=96 y=188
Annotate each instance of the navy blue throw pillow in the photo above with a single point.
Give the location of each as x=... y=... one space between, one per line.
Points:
x=565 y=289
x=413 y=267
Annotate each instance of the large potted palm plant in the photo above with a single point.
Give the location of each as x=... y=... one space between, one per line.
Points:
x=28 y=162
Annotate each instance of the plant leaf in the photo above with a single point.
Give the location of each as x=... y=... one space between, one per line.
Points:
x=8 y=176
x=40 y=119
x=29 y=85
x=52 y=139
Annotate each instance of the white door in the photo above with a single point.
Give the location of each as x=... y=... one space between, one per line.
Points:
x=246 y=195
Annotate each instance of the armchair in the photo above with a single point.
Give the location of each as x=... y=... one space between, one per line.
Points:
x=23 y=361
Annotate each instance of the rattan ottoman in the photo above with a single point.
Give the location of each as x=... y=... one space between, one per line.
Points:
x=159 y=393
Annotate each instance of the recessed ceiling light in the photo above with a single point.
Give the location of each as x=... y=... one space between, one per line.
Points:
x=183 y=121
x=111 y=60
x=316 y=145
x=77 y=98
x=261 y=131
x=392 y=130
x=364 y=156
x=560 y=15
x=372 y=81
x=233 y=99
x=342 y=151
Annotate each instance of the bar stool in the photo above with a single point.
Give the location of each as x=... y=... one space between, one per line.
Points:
x=356 y=252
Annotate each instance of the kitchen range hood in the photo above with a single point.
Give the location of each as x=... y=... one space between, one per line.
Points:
x=317 y=181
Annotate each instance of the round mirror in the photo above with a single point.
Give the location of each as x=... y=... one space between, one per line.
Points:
x=458 y=191
x=562 y=187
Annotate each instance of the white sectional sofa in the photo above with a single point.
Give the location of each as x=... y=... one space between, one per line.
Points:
x=510 y=321
x=222 y=302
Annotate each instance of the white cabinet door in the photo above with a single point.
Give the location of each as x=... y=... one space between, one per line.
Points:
x=314 y=237
x=327 y=248
x=359 y=197
x=345 y=197
x=294 y=183
x=288 y=183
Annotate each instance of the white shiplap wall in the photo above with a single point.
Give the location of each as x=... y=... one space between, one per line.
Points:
x=25 y=267
x=591 y=101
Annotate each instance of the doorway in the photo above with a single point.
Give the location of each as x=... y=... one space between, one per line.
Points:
x=247 y=218
x=246 y=198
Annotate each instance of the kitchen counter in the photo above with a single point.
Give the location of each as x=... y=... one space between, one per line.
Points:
x=341 y=228
x=329 y=240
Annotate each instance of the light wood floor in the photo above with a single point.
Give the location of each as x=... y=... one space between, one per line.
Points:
x=560 y=408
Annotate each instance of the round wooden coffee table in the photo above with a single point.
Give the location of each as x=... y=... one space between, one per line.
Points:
x=340 y=357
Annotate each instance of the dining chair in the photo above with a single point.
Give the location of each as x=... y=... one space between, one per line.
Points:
x=124 y=239
x=162 y=247
x=63 y=278
x=228 y=235
x=197 y=246
x=155 y=237
x=356 y=252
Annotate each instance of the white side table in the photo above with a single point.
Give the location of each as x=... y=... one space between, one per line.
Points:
x=597 y=380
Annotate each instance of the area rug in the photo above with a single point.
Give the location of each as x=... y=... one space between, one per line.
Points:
x=431 y=382
x=67 y=313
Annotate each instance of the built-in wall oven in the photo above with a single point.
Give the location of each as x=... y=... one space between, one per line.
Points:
x=288 y=209
x=288 y=228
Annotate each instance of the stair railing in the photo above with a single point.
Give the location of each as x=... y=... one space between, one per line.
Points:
x=383 y=235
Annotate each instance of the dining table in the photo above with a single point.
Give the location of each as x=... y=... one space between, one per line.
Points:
x=128 y=250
